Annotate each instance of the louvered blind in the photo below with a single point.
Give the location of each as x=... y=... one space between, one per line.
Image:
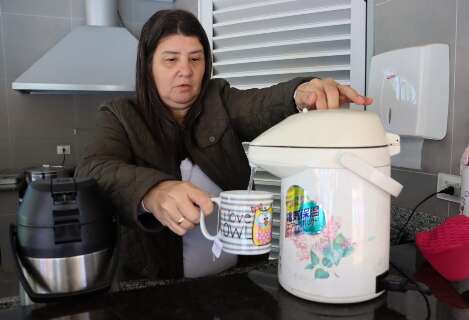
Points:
x=260 y=43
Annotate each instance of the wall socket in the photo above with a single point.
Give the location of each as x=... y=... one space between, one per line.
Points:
x=446 y=180
x=63 y=149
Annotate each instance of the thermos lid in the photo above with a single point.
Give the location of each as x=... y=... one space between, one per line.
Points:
x=338 y=128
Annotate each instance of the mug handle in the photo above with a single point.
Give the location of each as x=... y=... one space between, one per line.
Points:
x=203 y=228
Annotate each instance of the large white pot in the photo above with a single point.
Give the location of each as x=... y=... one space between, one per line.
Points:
x=335 y=198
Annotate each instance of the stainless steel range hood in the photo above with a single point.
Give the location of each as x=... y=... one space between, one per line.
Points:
x=97 y=57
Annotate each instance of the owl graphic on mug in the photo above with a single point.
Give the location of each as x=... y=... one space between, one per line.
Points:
x=262 y=226
x=245 y=221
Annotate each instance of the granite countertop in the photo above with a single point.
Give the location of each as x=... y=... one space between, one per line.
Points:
x=254 y=293
x=124 y=286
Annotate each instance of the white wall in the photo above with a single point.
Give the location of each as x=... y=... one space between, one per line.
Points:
x=188 y=5
x=406 y=23
x=135 y=13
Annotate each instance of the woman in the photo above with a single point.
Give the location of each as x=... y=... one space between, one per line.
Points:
x=161 y=156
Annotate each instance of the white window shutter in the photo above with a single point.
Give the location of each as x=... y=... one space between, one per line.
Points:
x=261 y=43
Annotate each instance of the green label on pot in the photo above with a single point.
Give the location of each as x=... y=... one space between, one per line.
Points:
x=303 y=215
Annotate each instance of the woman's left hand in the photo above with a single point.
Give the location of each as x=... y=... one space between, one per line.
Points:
x=327 y=94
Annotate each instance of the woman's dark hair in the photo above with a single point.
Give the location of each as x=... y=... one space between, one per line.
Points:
x=162 y=24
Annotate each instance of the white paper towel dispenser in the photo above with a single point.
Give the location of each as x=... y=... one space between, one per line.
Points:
x=410 y=88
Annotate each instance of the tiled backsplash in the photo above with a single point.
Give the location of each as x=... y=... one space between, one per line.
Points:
x=403 y=23
x=32 y=125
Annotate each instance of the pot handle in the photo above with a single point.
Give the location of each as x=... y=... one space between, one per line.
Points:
x=369 y=173
x=203 y=227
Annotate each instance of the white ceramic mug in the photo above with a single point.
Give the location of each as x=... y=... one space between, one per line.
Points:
x=245 y=221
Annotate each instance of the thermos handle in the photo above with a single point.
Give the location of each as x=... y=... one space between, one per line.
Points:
x=203 y=227
x=369 y=173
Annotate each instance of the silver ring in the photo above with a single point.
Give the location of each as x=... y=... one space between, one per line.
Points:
x=181 y=219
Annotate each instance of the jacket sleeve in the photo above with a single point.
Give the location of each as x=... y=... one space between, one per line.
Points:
x=109 y=160
x=253 y=111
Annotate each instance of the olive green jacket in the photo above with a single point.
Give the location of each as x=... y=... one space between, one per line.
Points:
x=128 y=160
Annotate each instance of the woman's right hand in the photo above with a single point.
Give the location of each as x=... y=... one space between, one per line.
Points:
x=177 y=204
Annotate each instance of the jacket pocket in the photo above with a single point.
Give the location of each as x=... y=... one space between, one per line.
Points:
x=210 y=134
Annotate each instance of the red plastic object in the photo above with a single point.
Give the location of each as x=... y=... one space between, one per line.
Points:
x=446 y=247
x=440 y=287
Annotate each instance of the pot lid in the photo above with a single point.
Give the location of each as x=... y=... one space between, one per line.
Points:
x=10 y=178
x=46 y=169
x=338 y=128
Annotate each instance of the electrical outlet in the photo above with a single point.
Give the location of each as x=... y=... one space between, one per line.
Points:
x=63 y=149
x=446 y=180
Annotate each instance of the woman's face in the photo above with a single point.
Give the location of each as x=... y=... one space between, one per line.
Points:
x=178 y=69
